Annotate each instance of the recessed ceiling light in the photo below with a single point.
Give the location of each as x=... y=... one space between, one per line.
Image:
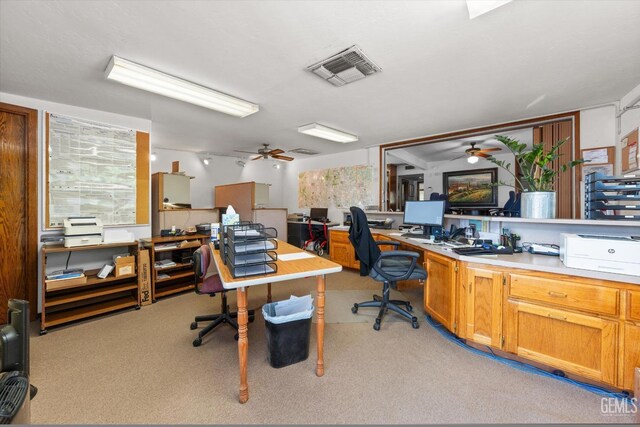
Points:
x=480 y=7
x=145 y=78
x=320 y=131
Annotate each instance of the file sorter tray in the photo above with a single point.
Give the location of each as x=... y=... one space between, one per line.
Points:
x=247 y=235
x=252 y=270
x=252 y=258
x=599 y=176
x=601 y=215
x=248 y=247
x=602 y=205
x=611 y=186
x=601 y=196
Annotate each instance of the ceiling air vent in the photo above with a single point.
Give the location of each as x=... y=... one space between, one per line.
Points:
x=304 y=151
x=348 y=66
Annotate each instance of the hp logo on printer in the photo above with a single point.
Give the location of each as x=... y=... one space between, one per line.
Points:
x=612 y=251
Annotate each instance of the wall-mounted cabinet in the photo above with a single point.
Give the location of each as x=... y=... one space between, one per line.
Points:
x=170 y=191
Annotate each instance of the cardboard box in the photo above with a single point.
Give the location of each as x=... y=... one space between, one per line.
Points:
x=125 y=266
x=144 y=277
x=53 y=284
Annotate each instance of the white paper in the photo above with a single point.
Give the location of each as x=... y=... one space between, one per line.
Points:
x=292 y=257
x=395 y=234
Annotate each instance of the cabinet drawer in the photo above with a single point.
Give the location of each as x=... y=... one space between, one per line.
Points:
x=339 y=236
x=596 y=299
x=633 y=303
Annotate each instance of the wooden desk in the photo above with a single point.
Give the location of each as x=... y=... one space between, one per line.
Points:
x=287 y=270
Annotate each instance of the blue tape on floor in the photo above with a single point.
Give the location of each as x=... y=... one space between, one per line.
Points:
x=523 y=366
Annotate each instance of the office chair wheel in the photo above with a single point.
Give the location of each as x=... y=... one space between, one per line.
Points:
x=197 y=342
x=236 y=337
x=354 y=309
x=415 y=323
x=320 y=251
x=193 y=325
x=376 y=326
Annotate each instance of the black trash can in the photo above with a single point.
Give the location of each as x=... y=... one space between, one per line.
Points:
x=287 y=341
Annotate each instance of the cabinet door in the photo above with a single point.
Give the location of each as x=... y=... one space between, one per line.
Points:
x=440 y=289
x=631 y=356
x=484 y=306
x=576 y=343
x=342 y=253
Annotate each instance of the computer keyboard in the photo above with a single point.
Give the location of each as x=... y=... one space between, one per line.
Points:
x=454 y=244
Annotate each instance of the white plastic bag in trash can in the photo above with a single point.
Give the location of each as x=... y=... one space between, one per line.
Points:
x=295 y=308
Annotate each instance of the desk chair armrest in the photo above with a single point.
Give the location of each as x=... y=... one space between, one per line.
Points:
x=388 y=242
x=396 y=254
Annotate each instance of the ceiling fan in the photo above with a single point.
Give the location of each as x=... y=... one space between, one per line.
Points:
x=474 y=153
x=265 y=153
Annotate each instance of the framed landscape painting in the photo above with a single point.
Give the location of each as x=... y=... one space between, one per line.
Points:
x=471 y=188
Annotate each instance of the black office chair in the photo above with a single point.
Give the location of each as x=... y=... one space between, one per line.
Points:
x=387 y=267
x=511 y=207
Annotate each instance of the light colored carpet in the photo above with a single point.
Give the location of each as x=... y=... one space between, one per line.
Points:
x=140 y=367
x=338 y=307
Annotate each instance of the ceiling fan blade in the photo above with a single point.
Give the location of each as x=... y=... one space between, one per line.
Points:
x=481 y=154
x=459 y=157
x=276 y=151
x=248 y=152
x=279 y=157
x=257 y=158
x=486 y=150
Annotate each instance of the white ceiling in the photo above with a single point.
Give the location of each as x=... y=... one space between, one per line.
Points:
x=441 y=71
x=452 y=149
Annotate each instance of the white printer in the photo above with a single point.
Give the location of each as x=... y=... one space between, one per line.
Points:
x=609 y=254
x=82 y=231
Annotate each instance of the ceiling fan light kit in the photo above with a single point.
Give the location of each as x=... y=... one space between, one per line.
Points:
x=145 y=78
x=325 y=132
x=473 y=159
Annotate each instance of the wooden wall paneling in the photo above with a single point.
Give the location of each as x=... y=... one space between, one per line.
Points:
x=142 y=178
x=239 y=195
x=18 y=206
x=576 y=173
x=564 y=180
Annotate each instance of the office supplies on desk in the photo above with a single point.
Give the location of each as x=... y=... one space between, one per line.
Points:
x=542 y=249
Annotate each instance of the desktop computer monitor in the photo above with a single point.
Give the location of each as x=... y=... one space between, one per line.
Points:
x=427 y=213
x=318 y=214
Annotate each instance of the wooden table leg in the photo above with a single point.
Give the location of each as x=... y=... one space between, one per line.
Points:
x=268 y=292
x=243 y=342
x=320 y=312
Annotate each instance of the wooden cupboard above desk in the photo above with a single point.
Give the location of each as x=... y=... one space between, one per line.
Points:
x=587 y=327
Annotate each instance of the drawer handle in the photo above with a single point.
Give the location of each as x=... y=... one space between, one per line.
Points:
x=551 y=316
x=557 y=294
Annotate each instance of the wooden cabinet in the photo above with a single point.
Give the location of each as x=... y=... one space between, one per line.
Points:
x=576 y=343
x=172 y=264
x=64 y=301
x=630 y=340
x=483 y=311
x=440 y=289
x=341 y=250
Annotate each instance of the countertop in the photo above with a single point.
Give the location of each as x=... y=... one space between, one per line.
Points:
x=525 y=261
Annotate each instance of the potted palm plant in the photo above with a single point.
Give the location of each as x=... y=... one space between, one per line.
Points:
x=536 y=175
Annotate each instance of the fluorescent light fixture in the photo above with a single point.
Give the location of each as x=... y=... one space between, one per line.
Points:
x=145 y=78
x=320 y=131
x=480 y=7
x=473 y=159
